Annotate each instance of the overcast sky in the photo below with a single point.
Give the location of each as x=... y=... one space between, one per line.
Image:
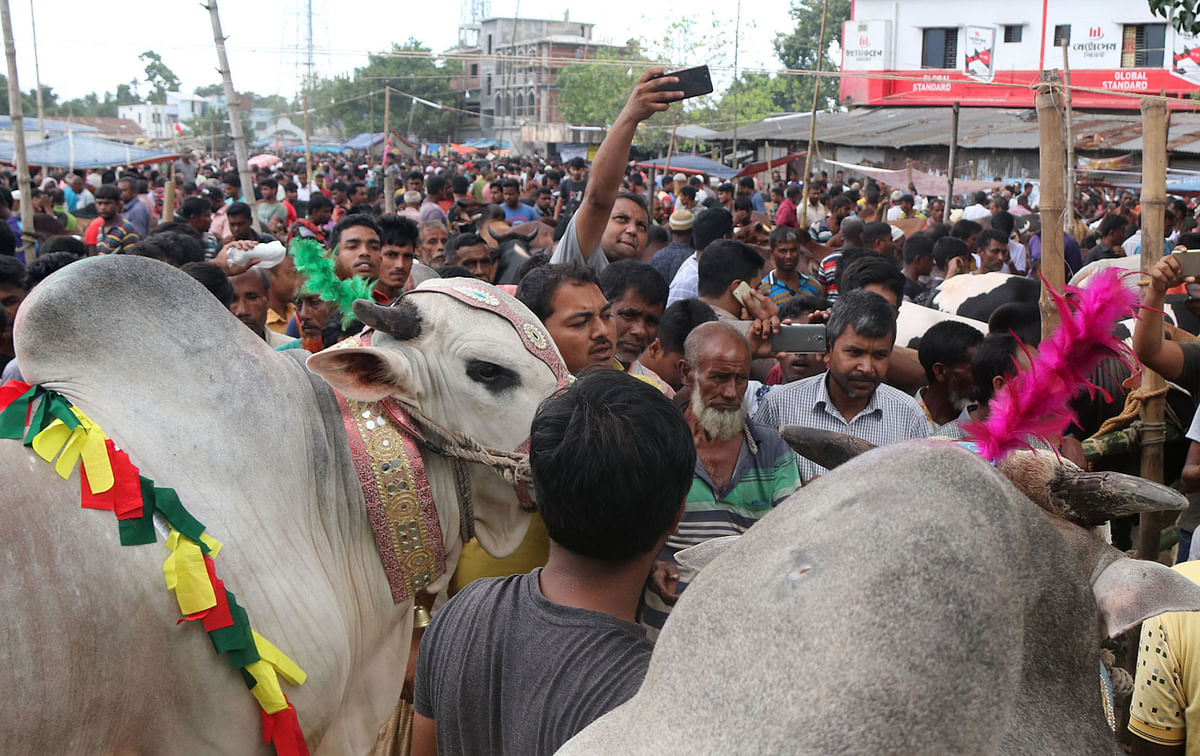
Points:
x=97 y=48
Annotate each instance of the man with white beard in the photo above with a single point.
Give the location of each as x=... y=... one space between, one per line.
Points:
x=743 y=469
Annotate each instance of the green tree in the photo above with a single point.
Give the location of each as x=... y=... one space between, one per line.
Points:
x=209 y=90
x=159 y=76
x=593 y=93
x=354 y=104
x=1183 y=15
x=798 y=49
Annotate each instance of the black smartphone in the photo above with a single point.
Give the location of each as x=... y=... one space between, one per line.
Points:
x=1189 y=262
x=799 y=337
x=693 y=82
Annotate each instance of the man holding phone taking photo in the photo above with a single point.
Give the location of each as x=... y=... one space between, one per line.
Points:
x=611 y=225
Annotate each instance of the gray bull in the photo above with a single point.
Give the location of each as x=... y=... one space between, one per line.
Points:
x=93 y=661
x=912 y=601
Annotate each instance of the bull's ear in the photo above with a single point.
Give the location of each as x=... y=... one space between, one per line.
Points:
x=1129 y=591
x=365 y=373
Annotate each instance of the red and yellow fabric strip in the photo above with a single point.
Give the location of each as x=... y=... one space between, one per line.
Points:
x=62 y=434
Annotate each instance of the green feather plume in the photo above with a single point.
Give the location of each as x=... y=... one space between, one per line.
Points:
x=319 y=267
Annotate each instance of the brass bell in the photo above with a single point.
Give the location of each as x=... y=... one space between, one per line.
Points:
x=421 y=617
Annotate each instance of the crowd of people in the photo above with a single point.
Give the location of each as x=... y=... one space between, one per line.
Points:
x=663 y=293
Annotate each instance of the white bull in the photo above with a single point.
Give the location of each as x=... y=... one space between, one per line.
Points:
x=93 y=661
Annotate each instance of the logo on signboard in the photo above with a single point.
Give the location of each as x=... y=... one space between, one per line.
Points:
x=1185 y=58
x=980 y=49
x=1097 y=48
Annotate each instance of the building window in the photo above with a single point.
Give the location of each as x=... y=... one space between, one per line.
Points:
x=520 y=111
x=489 y=52
x=1012 y=33
x=489 y=84
x=940 y=48
x=1062 y=35
x=474 y=69
x=1142 y=45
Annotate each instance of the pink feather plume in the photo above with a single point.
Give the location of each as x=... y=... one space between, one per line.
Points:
x=1035 y=402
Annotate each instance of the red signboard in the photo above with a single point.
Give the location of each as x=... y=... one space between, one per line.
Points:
x=1117 y=88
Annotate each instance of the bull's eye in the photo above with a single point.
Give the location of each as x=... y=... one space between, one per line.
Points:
x=495 y=378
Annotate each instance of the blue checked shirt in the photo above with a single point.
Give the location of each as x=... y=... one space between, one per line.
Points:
x=891 y=416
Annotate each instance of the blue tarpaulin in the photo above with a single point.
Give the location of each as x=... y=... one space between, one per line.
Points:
x=73 y=151
x=691 y=164
x=317 y=148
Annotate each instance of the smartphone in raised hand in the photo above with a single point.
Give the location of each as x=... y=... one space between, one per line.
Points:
x=693 y=82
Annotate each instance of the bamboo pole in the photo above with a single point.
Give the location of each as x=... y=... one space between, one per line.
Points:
x=1069 y=216
x=812 y=118
x=1154 y=201
x=37 y=74
x=950 y=163
x=169 y=198
x=234 y=112
x=309 y=173
x=670 y=151
x=27 y=242
x=1050 y=131
x=389 y=194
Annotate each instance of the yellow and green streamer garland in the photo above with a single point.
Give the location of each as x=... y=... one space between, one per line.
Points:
x=53 y=427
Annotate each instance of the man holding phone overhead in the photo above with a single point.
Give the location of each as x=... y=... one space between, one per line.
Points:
x=611 y=225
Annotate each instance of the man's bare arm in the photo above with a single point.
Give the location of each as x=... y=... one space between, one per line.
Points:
x=604 y=179
x=1162 y=356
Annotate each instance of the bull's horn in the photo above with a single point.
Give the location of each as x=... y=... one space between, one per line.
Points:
x=1091 y=498
x=826 y=448
x=401 y=320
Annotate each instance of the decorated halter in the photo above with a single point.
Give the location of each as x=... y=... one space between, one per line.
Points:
x=386 y=438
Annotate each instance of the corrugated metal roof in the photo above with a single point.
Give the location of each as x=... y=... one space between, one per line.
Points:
x=978 y=128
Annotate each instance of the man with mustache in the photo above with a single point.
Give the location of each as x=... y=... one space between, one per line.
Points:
x=568 y=301
x=638 y=295
x=742 y=471
x=945 y=353
x=849 y=397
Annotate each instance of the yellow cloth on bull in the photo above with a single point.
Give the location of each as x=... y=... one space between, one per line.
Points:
x=476 y=563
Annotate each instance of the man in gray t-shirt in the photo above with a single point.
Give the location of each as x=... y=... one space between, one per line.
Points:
x=519 y=665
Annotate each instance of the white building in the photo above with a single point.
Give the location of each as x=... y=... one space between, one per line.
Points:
x=158 y=120
x=946 y=51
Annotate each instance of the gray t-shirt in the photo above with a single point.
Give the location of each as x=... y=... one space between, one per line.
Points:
x=503 y=670
x=568 y=249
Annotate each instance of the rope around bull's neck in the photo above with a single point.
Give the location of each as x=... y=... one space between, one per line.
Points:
x=511 y=465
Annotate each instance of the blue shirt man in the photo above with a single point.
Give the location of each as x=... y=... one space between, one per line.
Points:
x=515 y=211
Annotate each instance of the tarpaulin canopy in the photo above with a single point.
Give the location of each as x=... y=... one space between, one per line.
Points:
x=317 y=148
x=73 y=151
x=690 y=164
x=929 y=184
x=763 y=166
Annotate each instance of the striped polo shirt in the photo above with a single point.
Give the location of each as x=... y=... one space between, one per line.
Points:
x=765 y=475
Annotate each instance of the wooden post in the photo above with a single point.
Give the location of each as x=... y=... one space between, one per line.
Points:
x=1049 y=100
x=37 y=74
x=27 y=242
x=950 y=163
x=1069 y=215
x=309 y=172
x=812 y=118
x=908 y=168
x=670 y=151
x=389 y=193
x=1154 y=201
x=169 y=199
x=234 y=112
